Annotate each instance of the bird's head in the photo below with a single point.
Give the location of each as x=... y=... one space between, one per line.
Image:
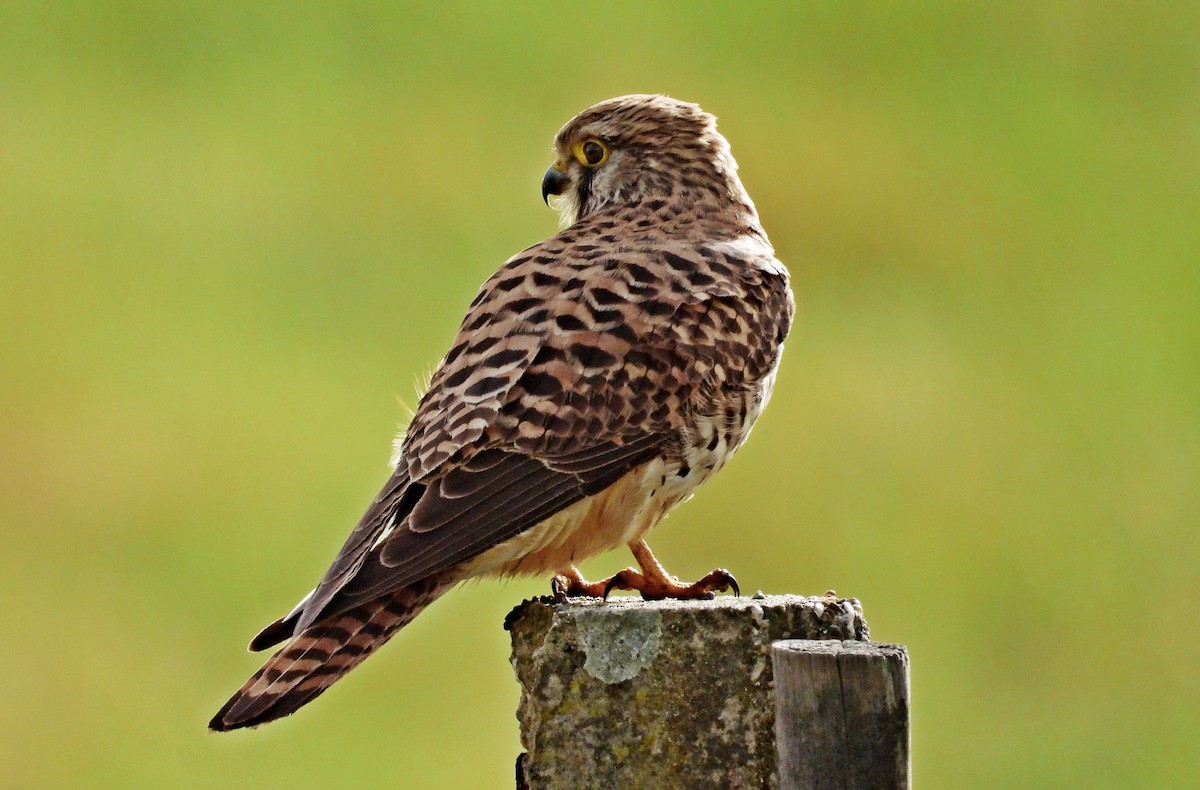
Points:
x=639 y=147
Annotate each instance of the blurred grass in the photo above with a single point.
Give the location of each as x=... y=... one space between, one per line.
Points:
x=231 y=240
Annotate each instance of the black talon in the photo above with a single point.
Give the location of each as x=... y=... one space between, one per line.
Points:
x=617 y=579
x=718 y=580
x=609 y=587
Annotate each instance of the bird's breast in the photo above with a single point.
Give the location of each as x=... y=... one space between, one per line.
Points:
x=714 y=434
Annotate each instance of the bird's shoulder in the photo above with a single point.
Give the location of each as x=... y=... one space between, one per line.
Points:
x=595 y=334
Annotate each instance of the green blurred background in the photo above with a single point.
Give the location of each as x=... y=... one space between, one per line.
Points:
x=232 y=240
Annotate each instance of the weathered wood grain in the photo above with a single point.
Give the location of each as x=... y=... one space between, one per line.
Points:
x=842 y=715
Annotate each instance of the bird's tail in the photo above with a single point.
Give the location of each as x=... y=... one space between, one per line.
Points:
x=314 y=659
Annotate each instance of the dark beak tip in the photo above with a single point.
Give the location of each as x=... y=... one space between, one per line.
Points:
x=553 y=183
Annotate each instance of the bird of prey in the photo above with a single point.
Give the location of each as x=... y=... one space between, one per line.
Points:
x=597 y=378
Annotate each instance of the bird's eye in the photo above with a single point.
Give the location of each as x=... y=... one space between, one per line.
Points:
x=591 y=152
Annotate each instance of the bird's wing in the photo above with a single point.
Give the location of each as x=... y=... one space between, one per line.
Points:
x=493 y=497
x=459 y=515
x=563 y=377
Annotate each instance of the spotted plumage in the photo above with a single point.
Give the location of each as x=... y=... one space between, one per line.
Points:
x=597 y=378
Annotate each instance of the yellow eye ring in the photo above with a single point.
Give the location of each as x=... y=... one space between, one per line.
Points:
x=591 y=152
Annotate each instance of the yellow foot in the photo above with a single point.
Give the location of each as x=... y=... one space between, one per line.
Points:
x=656 y=588
x=652 y=581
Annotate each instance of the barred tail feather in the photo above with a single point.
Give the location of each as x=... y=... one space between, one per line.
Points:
x=317 y=657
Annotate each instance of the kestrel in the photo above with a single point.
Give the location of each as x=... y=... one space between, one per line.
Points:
x=597 y=379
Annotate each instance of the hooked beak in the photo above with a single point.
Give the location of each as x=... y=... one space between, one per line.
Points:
x=553 y=183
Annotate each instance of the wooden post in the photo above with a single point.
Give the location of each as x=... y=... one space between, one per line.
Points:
x=842 y=715
x=658 y=694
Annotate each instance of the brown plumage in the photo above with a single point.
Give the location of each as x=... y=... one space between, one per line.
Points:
x=597 y=379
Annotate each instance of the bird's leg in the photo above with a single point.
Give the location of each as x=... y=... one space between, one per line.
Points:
x=654 y=583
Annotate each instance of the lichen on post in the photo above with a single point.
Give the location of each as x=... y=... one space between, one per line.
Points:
x=658 y=694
